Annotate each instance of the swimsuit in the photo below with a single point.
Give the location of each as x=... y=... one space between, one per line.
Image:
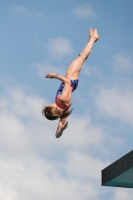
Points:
x=74 y=85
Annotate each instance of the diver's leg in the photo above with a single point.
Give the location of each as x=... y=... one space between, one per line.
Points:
x=75 y=67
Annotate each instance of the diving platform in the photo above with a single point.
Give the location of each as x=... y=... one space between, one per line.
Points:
x=119 y=173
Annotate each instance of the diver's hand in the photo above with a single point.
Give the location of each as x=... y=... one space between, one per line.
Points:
x=65 y=125
x=61 y=128
x=51 y=75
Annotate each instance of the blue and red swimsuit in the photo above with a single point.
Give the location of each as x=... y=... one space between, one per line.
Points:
x=74 y=85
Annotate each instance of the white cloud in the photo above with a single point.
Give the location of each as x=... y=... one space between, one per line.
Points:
x=122 y=194
x=83 y=164
x=85 y=11
x=24 y=10
x=59 y=47
x=85 y=133
x=46 y=67
x=116 y=102
x=123 y=63
x=33 y=162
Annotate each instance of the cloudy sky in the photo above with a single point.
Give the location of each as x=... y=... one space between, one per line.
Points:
x=38 y=37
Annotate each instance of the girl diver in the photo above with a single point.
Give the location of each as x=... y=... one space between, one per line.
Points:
x=61 y=107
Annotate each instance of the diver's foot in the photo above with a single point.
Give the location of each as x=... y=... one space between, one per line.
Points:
x=90 y=32
x=94 y=35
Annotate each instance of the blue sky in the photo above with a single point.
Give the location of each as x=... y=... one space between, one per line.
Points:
x=38 y=37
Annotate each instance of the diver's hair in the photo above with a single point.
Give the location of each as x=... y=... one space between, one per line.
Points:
x=52 y=113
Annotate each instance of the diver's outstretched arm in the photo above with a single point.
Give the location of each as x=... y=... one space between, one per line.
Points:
x=65 y=80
